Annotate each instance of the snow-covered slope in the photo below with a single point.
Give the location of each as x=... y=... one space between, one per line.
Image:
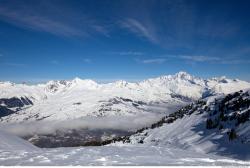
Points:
x=17 y=152
x=60 y=100
x=12 y=142
x=115 y=156
x=219 y=125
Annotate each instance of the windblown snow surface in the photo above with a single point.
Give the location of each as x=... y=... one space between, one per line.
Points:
x=127 y=106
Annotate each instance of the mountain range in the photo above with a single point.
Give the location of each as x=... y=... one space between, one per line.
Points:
x=61 y=100
x=180 y=119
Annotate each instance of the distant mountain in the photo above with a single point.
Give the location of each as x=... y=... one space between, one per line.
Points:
x=60 y=100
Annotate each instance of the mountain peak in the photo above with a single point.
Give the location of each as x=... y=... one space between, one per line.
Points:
x=183 y=75
x=179 y=75
x=221 y=79
x=121 y=83
x=84 y=83
x=77 y=80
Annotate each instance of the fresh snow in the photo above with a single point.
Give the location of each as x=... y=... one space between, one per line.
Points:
x=104 y=155
x=16 y=152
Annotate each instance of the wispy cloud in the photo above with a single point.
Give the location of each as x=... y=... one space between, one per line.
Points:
x=235 y=61
x=139 y=29
x=13 y=64
x=183 y=25
x=127 y=53
x=36 y=22
x=25 y=16
x=101 y=29
x=152 y=61
x=87 y=60
x=55 y=62
x=135 y=53
x=209 y=59
x=199 y=58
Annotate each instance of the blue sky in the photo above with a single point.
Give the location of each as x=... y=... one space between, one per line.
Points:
x=108 y=40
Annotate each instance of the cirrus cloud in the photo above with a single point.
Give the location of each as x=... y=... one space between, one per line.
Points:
x=152 y=61
x=139 y=29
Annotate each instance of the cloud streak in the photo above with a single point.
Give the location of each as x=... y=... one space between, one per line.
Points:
x=127 y=53
x=42 y=20
x=235 y=61
x=36 y=22
x=209 y=59
x=152 y=61
x=139 y=29
x=14 y=64
x=54 y=62
x=199 y=58
x=87 y=60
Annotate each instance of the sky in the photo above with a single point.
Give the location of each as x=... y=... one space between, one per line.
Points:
x=108 y=40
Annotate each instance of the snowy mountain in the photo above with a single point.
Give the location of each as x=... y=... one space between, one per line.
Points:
x=60 y=100
x=218 y=125
x=179 y=119
x=197 y=134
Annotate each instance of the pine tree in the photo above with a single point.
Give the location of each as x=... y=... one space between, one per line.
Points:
x=232 y=135
x=209 y=124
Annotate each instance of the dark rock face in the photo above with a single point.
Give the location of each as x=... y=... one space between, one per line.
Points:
x=4 y=111
x=26 y=101
x=14 y=102
x=229 y=112
x=180 y=97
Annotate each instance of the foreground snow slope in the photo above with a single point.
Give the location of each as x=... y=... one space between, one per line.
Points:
x=113 y=155
x=12 y=142
x=61 y=100
x=15 y=152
